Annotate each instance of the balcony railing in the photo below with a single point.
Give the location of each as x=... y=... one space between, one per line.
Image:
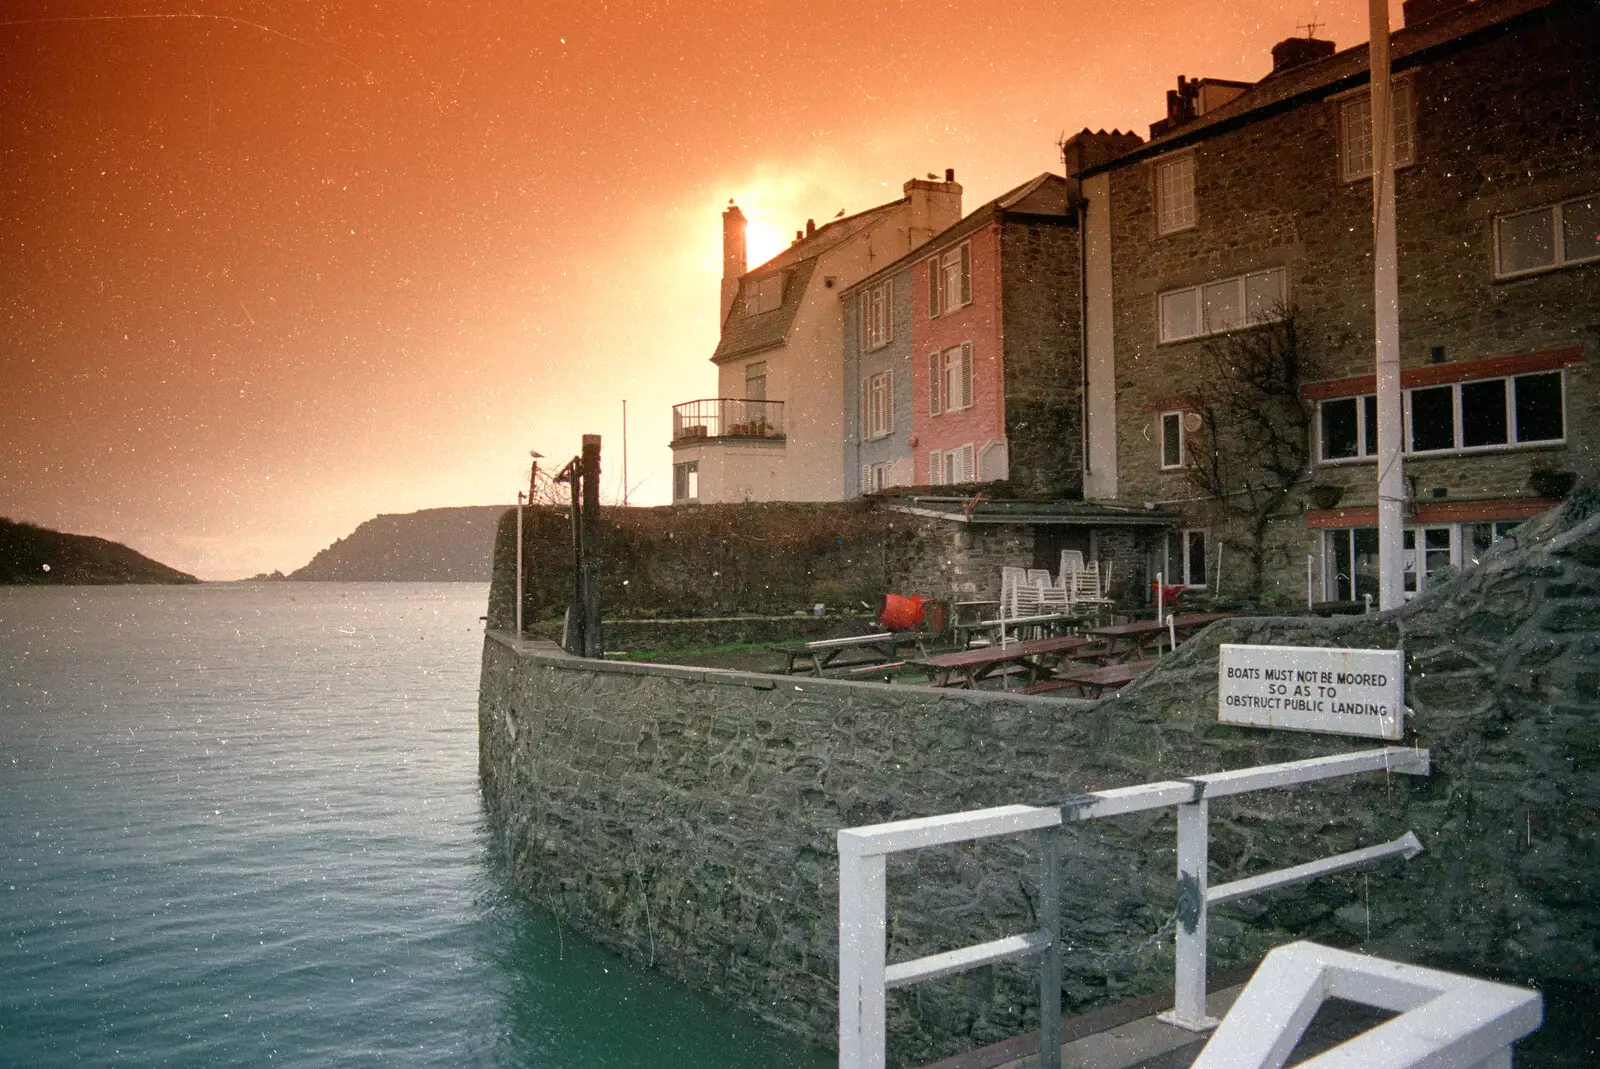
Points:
x=726 y=417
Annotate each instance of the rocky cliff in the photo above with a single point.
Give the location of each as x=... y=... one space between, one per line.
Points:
x=37 y=555
x=431 y=546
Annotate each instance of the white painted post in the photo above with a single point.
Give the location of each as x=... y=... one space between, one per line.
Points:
x=863 y=953
x=519 y=564
x=1308 y=581
x=1194 y=847
x=1386 y=315
x=1161 y=584
x=1172 y=634
x=1216 y=585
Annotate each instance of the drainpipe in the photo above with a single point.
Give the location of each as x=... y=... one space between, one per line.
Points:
x=1083 y=337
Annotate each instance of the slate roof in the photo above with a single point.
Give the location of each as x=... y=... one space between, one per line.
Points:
x=744 y=335
x=1045 y=195
x=1282 y=91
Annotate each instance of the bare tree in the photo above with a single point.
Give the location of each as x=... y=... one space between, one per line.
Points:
x=1254 y=441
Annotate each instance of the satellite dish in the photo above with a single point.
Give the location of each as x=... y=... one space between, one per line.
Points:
x=1191 y=421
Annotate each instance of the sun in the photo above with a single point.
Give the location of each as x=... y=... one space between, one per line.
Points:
x=762 y=242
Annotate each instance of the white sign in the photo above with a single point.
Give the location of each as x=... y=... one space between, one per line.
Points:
x=1307 y=688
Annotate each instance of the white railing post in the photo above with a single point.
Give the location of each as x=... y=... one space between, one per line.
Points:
x=1194 y=848
x=1050 y=960
x=863 y=953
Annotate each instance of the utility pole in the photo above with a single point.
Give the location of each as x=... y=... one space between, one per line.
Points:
x=624 y=452
x=518 y=613
x=1386 y=317
x=590 y=543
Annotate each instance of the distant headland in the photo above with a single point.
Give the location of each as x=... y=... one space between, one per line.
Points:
x=36 y=556
x=432 y=546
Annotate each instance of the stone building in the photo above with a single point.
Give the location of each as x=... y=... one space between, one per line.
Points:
x=1250 y=209
x=977 y=333
x=775 y=431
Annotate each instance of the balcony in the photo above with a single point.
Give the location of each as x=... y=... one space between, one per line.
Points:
x=726 y=417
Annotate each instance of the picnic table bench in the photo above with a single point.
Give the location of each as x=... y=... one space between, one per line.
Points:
x=1134 y=640
x=1046 y=622
x=968 y=668
x=1095 y=680
x=823 y=652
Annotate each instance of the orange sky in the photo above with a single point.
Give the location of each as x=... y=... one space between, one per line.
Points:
x=271 y=267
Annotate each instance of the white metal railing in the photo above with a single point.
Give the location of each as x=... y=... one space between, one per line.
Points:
x=1446 y=1021
x=865 y=973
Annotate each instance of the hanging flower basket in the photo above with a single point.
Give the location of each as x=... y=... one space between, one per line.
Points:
x=1546 y=482
x=1324 y=496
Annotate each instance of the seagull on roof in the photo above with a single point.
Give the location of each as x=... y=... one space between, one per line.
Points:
x=839 y=214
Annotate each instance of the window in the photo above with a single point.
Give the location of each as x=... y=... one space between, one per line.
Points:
x=950 y=379
x=1355 y=131
x=1566 y=233
x=950 y=466
x=1428 y=555
x=877 y=325
x=686 y=482
x=874 y=477
x=1172 y=452
x=950 y=280
x=1343 y=435
x=1224 y=305
x=763 y=294
x=1175 y=194
x=1456 y=417
x=877 y=405
x=1485 y=414
x=1185 y=559
x=755 y=380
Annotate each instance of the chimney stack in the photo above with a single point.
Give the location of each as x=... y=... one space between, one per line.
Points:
x=733 y=255
x=1090 y=148
x=1293 y=51
x=811 y=228
x=1415 y=11
x=935 y=206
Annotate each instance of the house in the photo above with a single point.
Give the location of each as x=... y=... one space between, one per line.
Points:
x=776 y=432
x=1244 y=226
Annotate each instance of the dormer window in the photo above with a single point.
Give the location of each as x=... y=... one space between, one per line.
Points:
x=1175 y=194
x=763 y=294
x=1355 y=130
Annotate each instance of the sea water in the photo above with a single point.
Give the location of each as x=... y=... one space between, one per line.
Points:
x=240 y=825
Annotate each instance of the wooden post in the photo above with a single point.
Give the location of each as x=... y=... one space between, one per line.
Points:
x=590 y=546
x=575 y=620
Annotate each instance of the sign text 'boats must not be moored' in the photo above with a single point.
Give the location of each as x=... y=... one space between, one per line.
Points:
x=1305 y=688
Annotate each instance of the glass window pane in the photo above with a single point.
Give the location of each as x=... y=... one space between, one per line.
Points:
x=1343 y=574
x=1197 y=558
x=1526 y=241
x=1356 y=119
x=1180 y=314
x=1263 y=296
x=1171 y=440
x=1580 y=229
x=1370 y=405
x=1172 y=570
x=1483 y=413
x=1339 y=429
x=1476 y=540
x=1436 y=552
x=1408 y=561
x=1222 y=306
x=1364 y=569
x=1539 y=407
x=1433 y=421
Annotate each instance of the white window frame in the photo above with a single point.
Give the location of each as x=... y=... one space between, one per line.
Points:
x=1174 y=193
x=1413 y=582
x=877 y=319
x=1171 y=421
x=763 y=294
x=947 y=467
x=1368 y=450
x=755 y=372
x=875 y=478
x=1355 y=130
x=686 y=478
x=956 y=262
x=876 y=413
x=1185 y=539
x=942 y=365
x=1558 y=238
x=1241 y=283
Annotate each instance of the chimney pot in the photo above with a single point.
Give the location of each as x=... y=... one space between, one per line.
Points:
x=811 y=227
x=1294 y=51
x=949 y=174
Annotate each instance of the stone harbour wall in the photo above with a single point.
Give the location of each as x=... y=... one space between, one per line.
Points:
x=687 y=817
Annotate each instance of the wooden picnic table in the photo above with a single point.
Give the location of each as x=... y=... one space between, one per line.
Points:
x=822 y=652
x=1046 y=622
x=1132 y=641
x=968 y=668
x=1092 y=681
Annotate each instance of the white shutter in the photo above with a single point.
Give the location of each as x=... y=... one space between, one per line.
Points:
x=866 y=478
x=966 y=374
x=934 y=459
x=888 y=401
x=863 y=313
x=933 y=288
x=864 y=417
x=935 y=380
x=968 y=466
x=966 y=274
